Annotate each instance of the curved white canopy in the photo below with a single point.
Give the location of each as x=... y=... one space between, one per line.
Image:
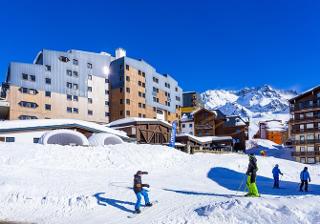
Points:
x=64 y=137
x=101 y=139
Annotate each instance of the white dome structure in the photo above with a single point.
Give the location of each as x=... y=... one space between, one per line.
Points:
x=101 y=139
x=63 y=137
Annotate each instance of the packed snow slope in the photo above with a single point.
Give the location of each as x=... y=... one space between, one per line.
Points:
x=58 y=184
x=256 y=104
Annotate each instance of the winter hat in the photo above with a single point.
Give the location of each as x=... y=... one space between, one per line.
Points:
x=276 y=165
x=139 y=172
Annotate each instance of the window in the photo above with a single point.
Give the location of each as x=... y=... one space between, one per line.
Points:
x=27 y=117
x=75 y=62
x=89 y=89
x=143 y=74
x=106 y=114
x=176 y=89
x=139 y=72
x=75 y=86
x=10 y=139
x=155 y=80
x=178 y=98
x=64 y=59
x=106 y=103
x=310 y=136
x=311 y=160
x=167 y=85
x=128 y=78
x=190 y=125
x=69 y=85
x=89 y=77
x=75 y=98
x=143 y=115
x=154 y=109
x=143 y=105
x=139 y=115
x=36 y=140
x=128 y=101
x=183 y=125
x=69 y=72
x=143 y=85
x=28 y=104
x=120 y=90
x=106 y=81
x=140 y=94
x=121 y=101
x=48 y=68
x=310 y=148
x=128 y=90
x=47 y=106
x=89 y=65
x=28 y=91
x=106 y=92
x=139 y=83
x=75 y=110
x=309 y=114
x=48 y=94
x=128 y=112
x=301 y=116
x=310 y=126
x=318 y=95
x=143 y=95
x=127 y=67
x=48 y=81
x=25 y=76
x=303 y=160
x=121 y=112
x=302 y=138
x=75 y=74
x=69 y=109
x=301 y=127
x=32 y=78
x=69 y=97
x=156 y=90
x=90 y=112
x=90 y=100
x=140 y=105
x=302 y=149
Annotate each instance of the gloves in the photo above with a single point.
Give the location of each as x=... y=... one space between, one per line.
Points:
x=147 y=185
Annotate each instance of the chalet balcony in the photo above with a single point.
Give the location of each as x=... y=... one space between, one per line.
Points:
x=305 y=119
x=306 y=130
x=297 y=107
x=306 y=154
x=305 y=142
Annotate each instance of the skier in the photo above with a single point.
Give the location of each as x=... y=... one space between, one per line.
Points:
x=252 y=174
x=276 y=171
x=139 y=191
x=304 y=177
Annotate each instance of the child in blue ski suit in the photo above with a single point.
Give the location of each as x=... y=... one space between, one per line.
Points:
x=139 y=191
x=304 y=177
x=276 y=172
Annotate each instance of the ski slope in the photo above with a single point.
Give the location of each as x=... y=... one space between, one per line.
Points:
x=61 y=184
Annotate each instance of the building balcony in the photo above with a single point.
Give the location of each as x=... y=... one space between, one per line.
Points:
x=305 y=119
x=305 y=142
x=306 y=154
x=296 y=108
x=307 y=130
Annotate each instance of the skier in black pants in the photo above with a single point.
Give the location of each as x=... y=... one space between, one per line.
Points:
x=138 y=189
x=304 y=177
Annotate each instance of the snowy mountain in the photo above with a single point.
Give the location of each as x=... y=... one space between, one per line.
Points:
x=256 y=104
x=49 y=184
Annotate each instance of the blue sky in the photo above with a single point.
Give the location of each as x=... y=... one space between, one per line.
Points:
x=203 y=44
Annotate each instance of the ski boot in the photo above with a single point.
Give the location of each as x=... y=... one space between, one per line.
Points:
x=149 y=204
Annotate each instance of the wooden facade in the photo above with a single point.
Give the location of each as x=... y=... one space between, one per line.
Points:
x=146 y=132
x=204 y=122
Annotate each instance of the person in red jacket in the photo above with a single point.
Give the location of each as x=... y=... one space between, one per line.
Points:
x=139 y=190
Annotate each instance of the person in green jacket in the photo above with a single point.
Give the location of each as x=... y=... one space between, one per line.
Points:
x=252 y=175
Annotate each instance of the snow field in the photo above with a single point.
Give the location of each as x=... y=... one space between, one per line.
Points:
x=61 y=184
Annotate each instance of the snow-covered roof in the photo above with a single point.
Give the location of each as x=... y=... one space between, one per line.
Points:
x=275 y=125
x=126 y=121
x=20 y=125
x=206 y=139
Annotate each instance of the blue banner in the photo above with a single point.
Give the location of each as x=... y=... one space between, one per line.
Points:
x=173 y=134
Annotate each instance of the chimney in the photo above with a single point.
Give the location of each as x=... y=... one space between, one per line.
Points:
x=120 y=52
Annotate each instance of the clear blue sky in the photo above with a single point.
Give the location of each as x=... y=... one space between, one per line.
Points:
x=203 y=44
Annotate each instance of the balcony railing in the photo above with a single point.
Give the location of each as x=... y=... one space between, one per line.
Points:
x=308 y=141
x=306 y=130
x=316 y=104
x=298 y=119
x=306 y=154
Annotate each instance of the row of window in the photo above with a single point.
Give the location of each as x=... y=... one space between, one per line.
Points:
x=74 y=61
x=309 y=137
x=72 y=73
x=184 y=125
x=307 y=160
x=13 y=139
x=308 y=126
x=307 y=115
x=28 y=91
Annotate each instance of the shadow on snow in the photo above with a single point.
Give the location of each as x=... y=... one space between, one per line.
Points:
x=232 y=180
x=113 y=202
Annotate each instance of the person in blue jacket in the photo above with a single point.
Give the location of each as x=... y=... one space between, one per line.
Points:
x=139 y=190
x=305 y=178
x=276 y=172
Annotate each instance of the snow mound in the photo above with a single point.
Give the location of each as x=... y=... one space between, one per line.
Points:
x=255 y=146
